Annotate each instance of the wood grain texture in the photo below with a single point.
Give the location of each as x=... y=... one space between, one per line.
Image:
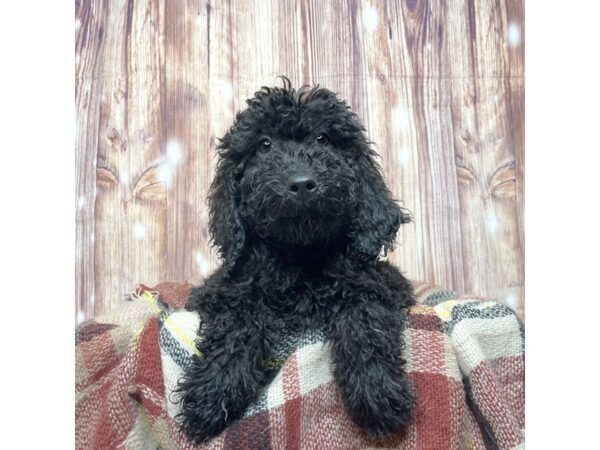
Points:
x=439 y=85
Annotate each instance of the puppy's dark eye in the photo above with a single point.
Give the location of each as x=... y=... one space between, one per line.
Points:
x=322 y=139
x=264 y=144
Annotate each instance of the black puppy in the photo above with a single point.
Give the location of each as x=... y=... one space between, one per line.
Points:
x=300 y=213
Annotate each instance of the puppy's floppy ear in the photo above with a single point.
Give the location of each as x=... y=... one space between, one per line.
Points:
x=225 y=226
x=378 y=217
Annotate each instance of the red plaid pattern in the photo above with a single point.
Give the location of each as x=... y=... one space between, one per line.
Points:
x=464 y=358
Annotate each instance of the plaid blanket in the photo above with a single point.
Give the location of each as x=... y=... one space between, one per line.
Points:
x=465 y=360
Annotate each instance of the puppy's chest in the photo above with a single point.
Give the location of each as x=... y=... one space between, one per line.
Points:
x=307 y=303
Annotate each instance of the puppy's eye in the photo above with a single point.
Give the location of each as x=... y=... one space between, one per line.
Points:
x=322 y=139
x=264 y=144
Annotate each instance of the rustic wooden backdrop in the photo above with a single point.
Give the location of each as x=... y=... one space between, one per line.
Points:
x=439 y=84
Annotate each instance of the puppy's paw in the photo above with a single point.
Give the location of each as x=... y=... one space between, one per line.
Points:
x=208 y=408
x=380 y=409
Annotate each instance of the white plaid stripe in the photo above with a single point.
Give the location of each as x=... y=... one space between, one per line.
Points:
x=478 y=340
x=314 y=366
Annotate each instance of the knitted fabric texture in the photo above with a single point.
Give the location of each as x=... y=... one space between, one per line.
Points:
x=465 y=360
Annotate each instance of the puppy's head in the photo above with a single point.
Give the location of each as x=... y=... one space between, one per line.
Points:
x=296 y=169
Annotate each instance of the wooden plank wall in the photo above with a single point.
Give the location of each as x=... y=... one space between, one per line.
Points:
x=439 y=85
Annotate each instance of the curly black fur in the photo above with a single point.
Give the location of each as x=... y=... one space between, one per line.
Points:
x=300 y=213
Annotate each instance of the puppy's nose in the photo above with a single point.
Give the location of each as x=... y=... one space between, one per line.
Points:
x=302 y=186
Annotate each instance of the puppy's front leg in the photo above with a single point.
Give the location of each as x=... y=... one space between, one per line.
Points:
x=226 y=378
x=369 y=371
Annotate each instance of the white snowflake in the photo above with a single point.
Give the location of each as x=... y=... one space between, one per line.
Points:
x=174 y=152
x=403 y=155
x=165 y=173
x=139 y=231
x=202 y=263
x=511 y=300
x=491 y=221
x=226 y=89
x=514 y=34
x=400 y=116
x=370 y=17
